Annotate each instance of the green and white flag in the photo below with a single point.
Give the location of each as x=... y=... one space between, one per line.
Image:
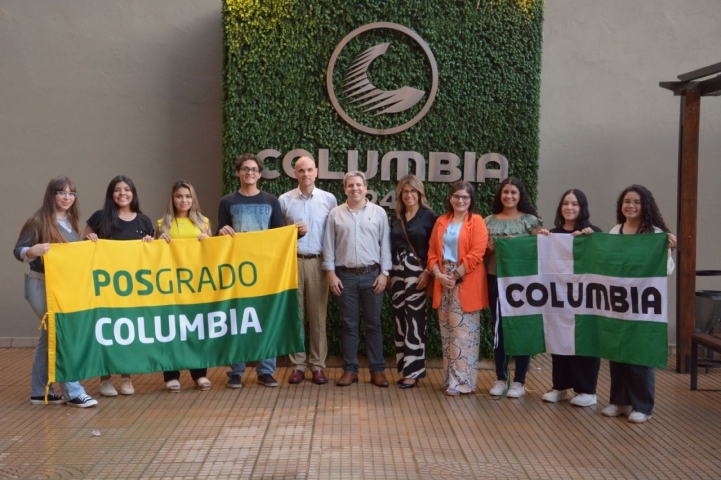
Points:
x=597 y=295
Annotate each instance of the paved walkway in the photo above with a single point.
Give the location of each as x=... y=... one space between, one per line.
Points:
x=364 y=432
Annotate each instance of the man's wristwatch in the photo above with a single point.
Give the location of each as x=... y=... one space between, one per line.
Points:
x=385 y=272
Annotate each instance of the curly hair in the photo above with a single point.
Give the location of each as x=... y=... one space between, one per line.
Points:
x=583 y=215
x=524 y=202
x=650 y=215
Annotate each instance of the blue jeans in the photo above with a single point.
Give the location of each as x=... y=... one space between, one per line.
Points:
x=264 y=366
x=35 y=295
x=357 y=296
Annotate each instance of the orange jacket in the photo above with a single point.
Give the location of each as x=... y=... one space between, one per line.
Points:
x=472 y=243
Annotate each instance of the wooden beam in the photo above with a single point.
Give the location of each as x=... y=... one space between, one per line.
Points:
x=710 y=87
x=700 y=73
x=678 y=88
x=686 y=224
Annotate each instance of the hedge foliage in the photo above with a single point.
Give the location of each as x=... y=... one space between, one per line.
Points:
x=488 y=52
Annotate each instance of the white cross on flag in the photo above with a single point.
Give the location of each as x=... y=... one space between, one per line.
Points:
x=596 y=295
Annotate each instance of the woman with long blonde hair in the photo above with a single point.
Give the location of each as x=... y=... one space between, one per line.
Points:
x=183 y=219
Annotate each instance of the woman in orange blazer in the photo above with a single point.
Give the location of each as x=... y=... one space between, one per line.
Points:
x=455 y=258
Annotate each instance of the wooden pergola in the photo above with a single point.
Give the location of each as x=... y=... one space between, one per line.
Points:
x=690 y=87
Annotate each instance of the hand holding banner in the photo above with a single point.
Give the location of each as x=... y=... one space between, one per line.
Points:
x=594 y=295
x=134 y=307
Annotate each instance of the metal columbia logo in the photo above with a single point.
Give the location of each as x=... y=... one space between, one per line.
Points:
x=366 y=101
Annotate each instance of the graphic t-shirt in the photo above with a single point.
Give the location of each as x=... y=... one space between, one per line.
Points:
x=250 y=214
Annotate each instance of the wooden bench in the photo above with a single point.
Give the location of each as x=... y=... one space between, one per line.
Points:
x=711 y=341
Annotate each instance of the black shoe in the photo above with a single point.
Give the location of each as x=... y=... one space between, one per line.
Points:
x=234 y=382
x=83 y=401
x=53 y=399
x=408 y=385
x=267 y=380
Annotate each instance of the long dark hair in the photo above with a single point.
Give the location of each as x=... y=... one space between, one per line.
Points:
x=43 y=223
x=466 y=187
x=583 y=215
x=109 y=217
x=650 y=215
x=524 y=202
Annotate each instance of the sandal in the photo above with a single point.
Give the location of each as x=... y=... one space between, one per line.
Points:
x=202 y=384
x=172 y=386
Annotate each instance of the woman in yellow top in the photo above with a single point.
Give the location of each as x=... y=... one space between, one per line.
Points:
x=183 y=219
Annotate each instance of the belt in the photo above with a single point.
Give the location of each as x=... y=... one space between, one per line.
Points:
x=359 y=270
x=308 y=256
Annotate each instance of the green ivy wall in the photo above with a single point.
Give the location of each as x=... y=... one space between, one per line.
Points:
x=488 y=53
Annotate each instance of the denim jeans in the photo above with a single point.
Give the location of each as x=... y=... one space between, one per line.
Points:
x=35 y=295
x=264 y=366
x=357 y=297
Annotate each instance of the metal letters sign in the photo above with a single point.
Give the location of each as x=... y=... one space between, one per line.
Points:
x=358 y=87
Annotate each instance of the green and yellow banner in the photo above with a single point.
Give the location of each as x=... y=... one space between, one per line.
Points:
x=134 y=307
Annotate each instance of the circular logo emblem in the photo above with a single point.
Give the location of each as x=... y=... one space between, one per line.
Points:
x=366 y=99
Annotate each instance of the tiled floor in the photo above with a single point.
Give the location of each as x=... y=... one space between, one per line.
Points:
x=310 y=431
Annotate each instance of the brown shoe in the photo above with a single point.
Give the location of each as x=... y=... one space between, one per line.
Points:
x=379 y=379
x=296 y=377
x=347 y=378
x=319 y=377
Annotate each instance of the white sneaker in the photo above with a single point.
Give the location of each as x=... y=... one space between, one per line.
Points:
x=126 y=386
x=638 y=417
x=616 y=410
x=554 y=396
x=107 y=389
x=516 y=391
x=498 y=388
x=583 y=400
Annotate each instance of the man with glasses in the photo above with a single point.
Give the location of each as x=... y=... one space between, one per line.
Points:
x=357 y=257
x=249 y=210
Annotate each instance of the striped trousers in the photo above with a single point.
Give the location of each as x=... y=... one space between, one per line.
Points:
x=409 y=309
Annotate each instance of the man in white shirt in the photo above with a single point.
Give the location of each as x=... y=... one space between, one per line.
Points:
x=357 y=257
x=307 y=207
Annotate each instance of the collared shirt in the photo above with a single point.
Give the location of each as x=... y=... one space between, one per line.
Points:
x=357 y=239
x=313 y=210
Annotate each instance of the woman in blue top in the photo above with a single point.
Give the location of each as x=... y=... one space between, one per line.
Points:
x=56 y=221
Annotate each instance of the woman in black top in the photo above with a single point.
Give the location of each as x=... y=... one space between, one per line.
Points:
x=573 y=371
x=411 y=229
x=120 y=219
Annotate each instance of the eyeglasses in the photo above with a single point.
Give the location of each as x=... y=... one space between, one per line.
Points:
x=409 y=192
x=461 y=198
x=249 y=170
x=66 y=194
x=636 y=203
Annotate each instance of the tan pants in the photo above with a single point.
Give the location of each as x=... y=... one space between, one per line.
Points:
x=313 y=290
